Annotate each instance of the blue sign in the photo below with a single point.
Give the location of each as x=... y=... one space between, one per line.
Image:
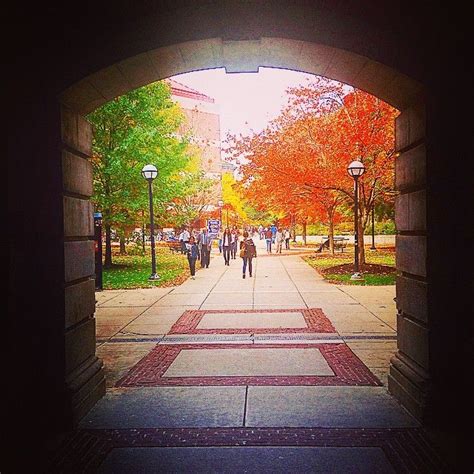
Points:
x=213 y=227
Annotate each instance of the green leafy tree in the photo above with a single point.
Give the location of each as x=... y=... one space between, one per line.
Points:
x=130 y=131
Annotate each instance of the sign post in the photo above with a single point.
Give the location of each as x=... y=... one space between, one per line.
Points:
x=98 y=249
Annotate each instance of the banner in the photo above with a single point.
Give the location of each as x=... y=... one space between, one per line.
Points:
x=213 y=227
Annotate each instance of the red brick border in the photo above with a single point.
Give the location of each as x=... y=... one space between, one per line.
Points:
x=316 y=321
x=348 y=368
x=407 y=449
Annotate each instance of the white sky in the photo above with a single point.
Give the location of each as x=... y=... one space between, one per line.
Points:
x=246 y=101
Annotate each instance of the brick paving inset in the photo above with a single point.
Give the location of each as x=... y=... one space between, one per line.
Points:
x=347 y=367
x=316 y=321
x=407 y=449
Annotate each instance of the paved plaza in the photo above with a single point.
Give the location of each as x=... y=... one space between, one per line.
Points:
x=281 y=372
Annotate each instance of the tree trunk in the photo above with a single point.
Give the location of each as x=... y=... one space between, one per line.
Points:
x=331 y=235
x=123 y=248
x=108 y=247
x=304 y=232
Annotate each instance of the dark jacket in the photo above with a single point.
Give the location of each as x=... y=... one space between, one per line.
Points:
x=248 y=245
x=193 y=251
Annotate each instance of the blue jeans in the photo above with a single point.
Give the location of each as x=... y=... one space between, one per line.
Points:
x=249 y=261
x=269 y=245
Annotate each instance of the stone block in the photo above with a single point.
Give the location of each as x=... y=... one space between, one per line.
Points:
x=412 y=298
x=410 y=169
x=167 y=61
x=110 y=82
x=79 y=260
x=403 y=91
x=79 y=344
x=202 y=54
x=410 y=126
x=410 y=212
x=375 y=77
x=79 y=302
x=138 y=70
x=413 y=340
x=411 y=254
x=82 y=97
x=78 y=217
x=77 y=174
x=241 y=56
x=280 y=52
x=315 y=58
x=345 y=66
x=76 y=131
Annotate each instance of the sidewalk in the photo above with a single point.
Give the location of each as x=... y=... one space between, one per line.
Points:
x=275 y=373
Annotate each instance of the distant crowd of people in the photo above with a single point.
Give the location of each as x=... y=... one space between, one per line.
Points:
x=275 y=235
x=197 y=245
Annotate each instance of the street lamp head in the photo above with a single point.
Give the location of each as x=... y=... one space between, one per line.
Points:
x=220 y=203
x=149 y=172
x=356 y=169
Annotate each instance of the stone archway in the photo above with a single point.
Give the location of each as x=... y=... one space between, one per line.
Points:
x=409 y=374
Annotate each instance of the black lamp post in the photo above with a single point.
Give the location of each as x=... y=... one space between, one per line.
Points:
x=149 y=172
x=220 y=203
x=356 y=170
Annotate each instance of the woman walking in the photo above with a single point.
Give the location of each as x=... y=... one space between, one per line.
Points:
x=279 y=240
x=268 y=240
x=226 y=245
x=247 y=251
x=193 y=254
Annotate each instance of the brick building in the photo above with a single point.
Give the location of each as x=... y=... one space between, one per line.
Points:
x=203 y=123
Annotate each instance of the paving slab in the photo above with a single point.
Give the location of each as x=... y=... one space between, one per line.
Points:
x=252 y=320
x=352 y=460
x=139 y=297
x=325 y=407
x=234 y=297
x=317 y=298
x=121 y=314
x=274 y=298
x=168 y=407
x=147 y=329
x=188 y=299
x=248 y=362
x=120 y=357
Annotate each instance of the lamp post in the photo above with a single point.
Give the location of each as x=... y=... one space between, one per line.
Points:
x=220 y=203
x=356 y=170
x=149 y=172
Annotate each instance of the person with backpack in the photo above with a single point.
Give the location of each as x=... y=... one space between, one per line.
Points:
x=268 y=240
x=247 y=251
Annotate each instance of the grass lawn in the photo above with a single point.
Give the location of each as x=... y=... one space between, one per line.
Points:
x=132 y=271
x=380 y=268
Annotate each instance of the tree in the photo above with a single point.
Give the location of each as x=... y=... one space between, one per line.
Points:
x=298 y=163
x=130 y=131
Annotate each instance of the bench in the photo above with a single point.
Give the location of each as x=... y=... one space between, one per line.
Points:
x=173 y=245
x=340 y=243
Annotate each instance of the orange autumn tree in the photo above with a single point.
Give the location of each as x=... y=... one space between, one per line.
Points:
x=302 y=156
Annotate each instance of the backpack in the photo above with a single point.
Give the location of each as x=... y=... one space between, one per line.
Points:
x=250 y=249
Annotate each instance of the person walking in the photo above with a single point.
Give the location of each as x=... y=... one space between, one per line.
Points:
x=219 y=236
x=234 y=236
x=273 y=228
x=184 y=239
x=279 y=240
x=193 y=254
x=287 y=235
x=205 y=242
x=247 y=251
x=226 y=245
x=268 y=240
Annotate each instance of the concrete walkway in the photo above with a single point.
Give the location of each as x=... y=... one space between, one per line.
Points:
x=210 y=376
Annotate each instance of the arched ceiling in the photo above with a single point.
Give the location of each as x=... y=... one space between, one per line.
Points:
x=242 y=56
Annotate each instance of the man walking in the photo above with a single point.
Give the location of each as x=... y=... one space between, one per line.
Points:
x=205 y=243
